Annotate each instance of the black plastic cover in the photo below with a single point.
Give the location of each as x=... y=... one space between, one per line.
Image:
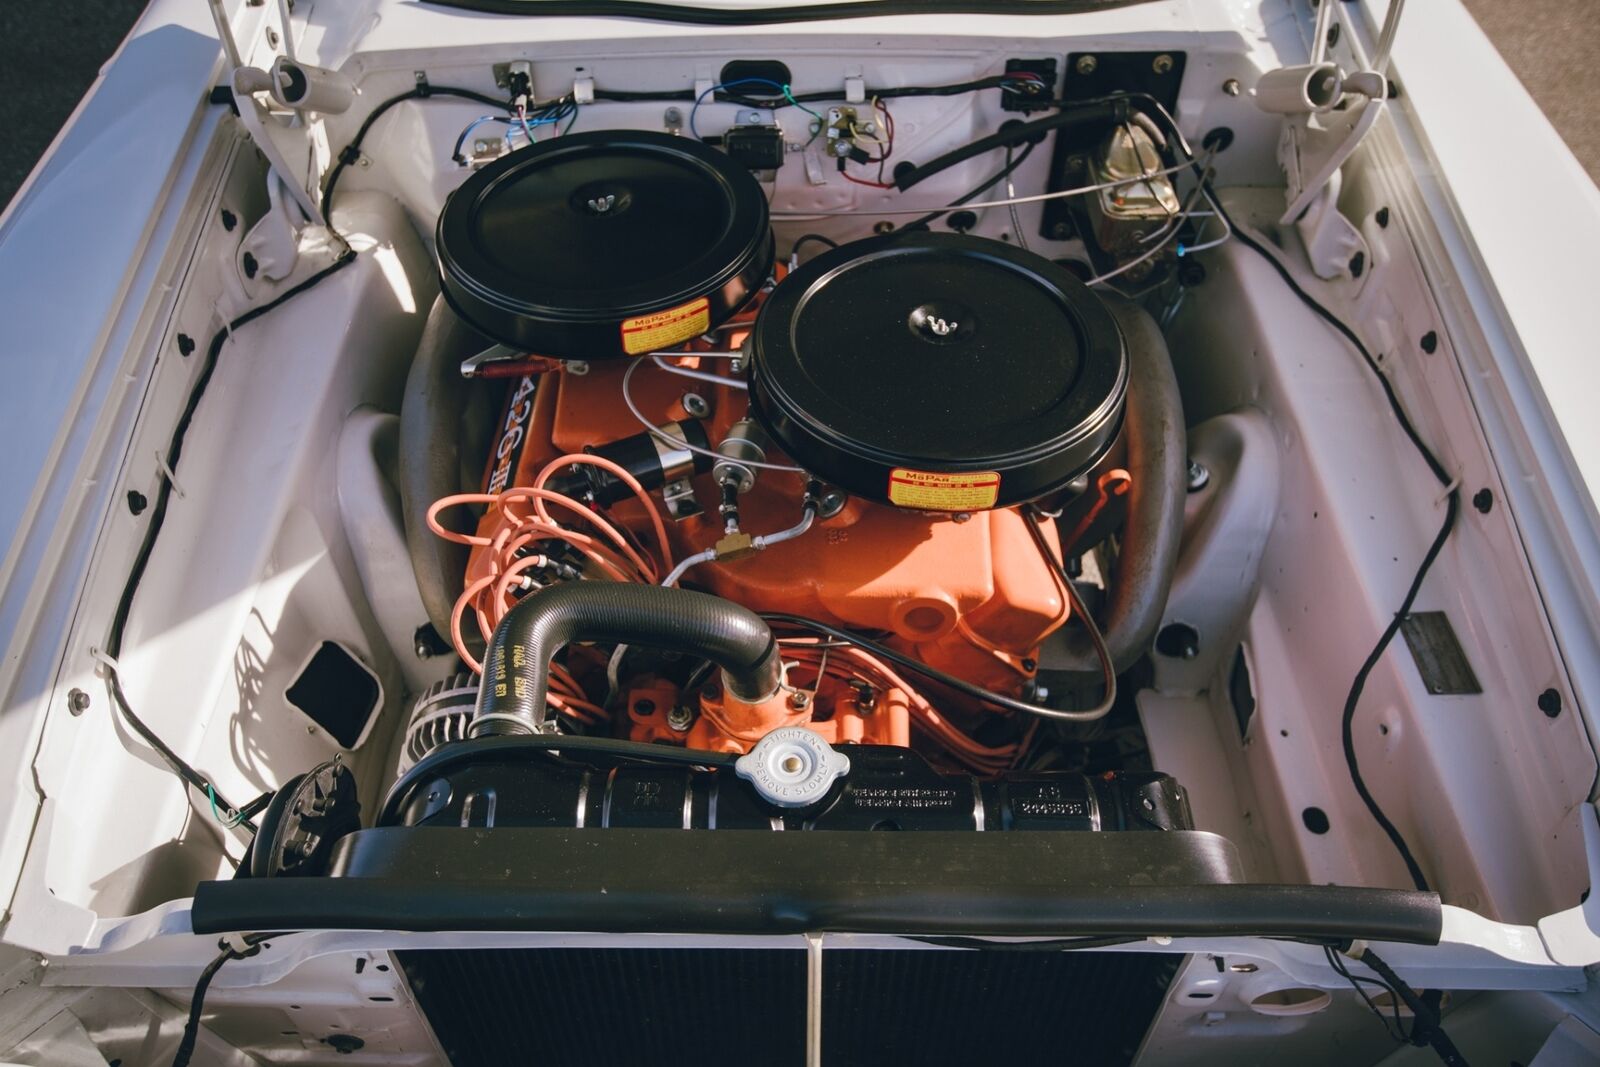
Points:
x=938 y=372
x=502 y=784
x=608 y=243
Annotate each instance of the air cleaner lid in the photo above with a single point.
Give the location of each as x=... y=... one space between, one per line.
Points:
x=608 y=243
x=938 y=372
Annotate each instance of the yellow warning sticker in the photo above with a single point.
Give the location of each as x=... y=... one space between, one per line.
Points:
x=935 y=491
x=664 y=328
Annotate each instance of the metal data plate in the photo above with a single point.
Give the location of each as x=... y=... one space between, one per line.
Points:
x=1440 y=660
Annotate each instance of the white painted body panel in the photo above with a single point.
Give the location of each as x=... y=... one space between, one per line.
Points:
x=113 y=249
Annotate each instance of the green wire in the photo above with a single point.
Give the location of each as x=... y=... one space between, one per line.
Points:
x=787 y=95
x=238 y=817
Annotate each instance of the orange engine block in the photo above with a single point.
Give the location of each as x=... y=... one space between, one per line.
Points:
x=972 y=598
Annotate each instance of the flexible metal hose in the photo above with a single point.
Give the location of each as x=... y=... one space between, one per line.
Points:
x=1158 y=457
x=440 y=451
x=516 y=666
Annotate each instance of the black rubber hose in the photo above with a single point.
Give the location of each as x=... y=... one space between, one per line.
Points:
x=435 y=453
x=516 y=665
x=1158 y=460
x=1087 y=113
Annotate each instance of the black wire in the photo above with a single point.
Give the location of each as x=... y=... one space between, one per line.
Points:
x=551 y=111
x=1397 y=1031
x=1452 y=497
x=817 y=237
x=352 y=151
x=1054 y=944
x=780 y=101
x=977 y=191
x=1427 y=1027
x=976 y=692
x=158 y=513
x=1452 y=507
x=197 y=1001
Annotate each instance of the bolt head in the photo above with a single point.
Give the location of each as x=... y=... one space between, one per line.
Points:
x=1162 y=64
x=1086 y=64
x=1231 y=87
x=77 y=701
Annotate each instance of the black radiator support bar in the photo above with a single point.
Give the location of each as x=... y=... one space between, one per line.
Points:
x=1020 y=884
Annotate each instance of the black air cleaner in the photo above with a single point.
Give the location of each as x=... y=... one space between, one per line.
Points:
x=610 y=243
x=938 y=372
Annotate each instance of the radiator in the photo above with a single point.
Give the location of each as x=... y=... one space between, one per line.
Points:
x=589 y=1007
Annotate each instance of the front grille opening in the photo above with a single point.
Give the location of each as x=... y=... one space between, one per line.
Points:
x=703 y=1007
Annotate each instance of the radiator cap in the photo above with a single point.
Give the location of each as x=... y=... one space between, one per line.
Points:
x=792 y=767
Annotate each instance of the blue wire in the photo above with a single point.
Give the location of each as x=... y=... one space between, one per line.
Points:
x=516 y=125
x=782 y=91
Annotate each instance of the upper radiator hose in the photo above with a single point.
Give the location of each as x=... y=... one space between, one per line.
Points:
x=516 y=666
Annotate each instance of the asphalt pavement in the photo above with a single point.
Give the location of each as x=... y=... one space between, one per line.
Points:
x=51 y=50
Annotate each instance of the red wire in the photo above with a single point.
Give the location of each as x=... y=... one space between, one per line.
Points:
x=863 y=181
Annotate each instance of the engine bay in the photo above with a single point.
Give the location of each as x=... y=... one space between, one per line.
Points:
x=785 y=432
x=1000 y=483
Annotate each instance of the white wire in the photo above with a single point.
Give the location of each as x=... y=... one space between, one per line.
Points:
x=698 y=375
x=1172 y=230
x=683 y=565
x=980 y=205
x=1016 y=219
x=677 y=442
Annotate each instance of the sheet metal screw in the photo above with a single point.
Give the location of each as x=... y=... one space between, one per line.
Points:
x=1199 y=476
x=1162 y=64
x=77 y=701
x=1086 y=65
x=1231 y=87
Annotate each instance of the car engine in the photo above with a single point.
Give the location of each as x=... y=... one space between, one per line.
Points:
x=891 y=464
